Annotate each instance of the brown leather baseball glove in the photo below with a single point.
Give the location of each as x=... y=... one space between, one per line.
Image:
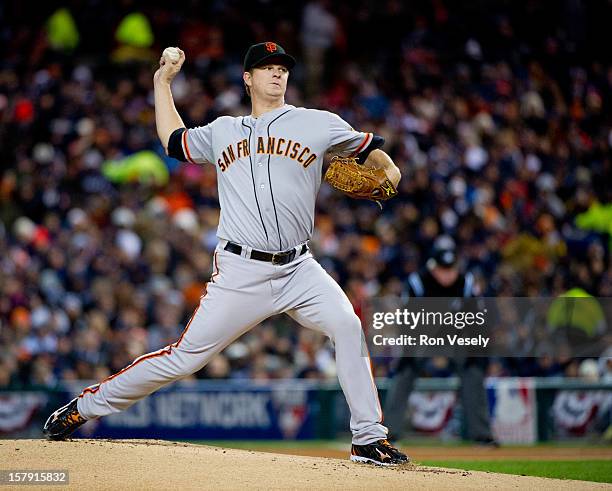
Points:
x=359 y=181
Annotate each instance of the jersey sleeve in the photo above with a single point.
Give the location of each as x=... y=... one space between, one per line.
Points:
x=197 y=144
x=343 y=139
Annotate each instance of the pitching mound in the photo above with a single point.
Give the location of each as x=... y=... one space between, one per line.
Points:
x=147 y=464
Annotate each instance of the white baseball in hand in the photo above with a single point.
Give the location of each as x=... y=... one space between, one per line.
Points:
x=172 y=55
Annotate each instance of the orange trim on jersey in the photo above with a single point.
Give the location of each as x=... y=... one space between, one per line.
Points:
x=164 y=351
x=215 y=273
x=362 y=145
x=186 y=147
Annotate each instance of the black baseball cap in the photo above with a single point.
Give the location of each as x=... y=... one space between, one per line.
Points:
x=261 y=52
x=444 y=251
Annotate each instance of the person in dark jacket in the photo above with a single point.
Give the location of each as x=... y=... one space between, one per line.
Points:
x=442 y=277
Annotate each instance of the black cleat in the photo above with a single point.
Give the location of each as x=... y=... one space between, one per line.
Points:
x=63 y=422
x=380 y=452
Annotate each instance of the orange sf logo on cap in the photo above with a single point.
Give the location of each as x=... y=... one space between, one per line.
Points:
x=271 y=47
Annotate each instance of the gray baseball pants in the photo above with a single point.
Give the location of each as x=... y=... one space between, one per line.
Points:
x=241 y=293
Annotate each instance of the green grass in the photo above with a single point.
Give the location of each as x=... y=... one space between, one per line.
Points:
x=582 y=470
x=406 y=444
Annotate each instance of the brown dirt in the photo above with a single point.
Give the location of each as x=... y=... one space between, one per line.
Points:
x=143 y=464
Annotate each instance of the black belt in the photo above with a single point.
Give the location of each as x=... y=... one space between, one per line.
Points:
x=277 y=258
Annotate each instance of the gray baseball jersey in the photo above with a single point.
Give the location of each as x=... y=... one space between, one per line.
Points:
x=269 y=170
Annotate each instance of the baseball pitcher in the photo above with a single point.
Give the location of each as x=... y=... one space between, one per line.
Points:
x=269 y=170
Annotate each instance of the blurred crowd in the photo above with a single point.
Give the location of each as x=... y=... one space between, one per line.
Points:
x=498 y=115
